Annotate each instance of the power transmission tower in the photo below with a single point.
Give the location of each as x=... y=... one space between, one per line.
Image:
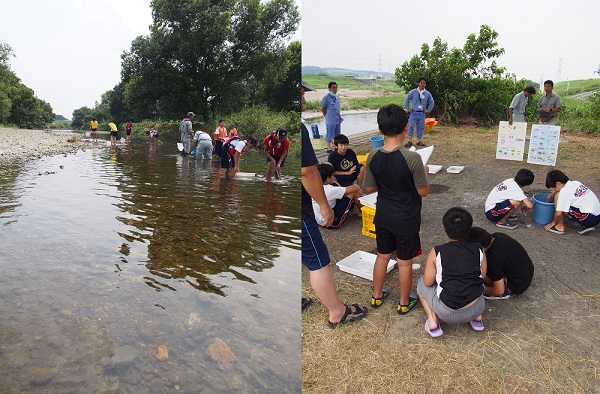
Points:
x=379 y=69
x=559 y=69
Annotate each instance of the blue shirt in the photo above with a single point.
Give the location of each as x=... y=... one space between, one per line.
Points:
x=331 y=104
x=418 y=104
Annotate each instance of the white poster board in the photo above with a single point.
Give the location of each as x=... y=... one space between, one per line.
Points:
x=511 y=141
x=543 y=145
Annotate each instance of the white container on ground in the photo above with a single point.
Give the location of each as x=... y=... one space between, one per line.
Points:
x=361 y=264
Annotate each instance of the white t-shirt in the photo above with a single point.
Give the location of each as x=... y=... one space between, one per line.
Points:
x=333 y=194
x=505 y=190
x=575 y=194
x=238 y=145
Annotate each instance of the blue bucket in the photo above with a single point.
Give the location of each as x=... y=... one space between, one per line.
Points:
x=543 y=212
x=376 y=141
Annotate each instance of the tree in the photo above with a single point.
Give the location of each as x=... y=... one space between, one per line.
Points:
x=208 y=56
x=463 y=82
x=282 y=91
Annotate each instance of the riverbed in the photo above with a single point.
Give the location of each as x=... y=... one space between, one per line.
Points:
x=136 y=270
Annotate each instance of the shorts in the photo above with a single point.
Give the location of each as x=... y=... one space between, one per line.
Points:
x=332 y=131
x=94 y=130
x=340 y=211
x=499 y=211
x=347 y=180
x=113 y=133
x=128 y=132
x=405 y=246
x=445 y=313
x=314 y=252
x=277 y=160
x=585 y=219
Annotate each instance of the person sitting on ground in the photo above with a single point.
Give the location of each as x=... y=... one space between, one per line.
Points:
x=509 y=267
x=507 y=197
x=341 y=199
x=344 y=160
x=451 y=288
x=276 y=146
x=573 y=198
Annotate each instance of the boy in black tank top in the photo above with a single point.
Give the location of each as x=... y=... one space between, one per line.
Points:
x=451 y=288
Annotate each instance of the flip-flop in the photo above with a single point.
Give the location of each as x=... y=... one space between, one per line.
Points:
x=435 y=333
x=306 y=302
x=477 y=325
x=556 y=231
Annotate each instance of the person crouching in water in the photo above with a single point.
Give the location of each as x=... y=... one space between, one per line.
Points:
x=277 y=146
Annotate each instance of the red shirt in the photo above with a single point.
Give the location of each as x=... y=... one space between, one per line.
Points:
x=276 y=147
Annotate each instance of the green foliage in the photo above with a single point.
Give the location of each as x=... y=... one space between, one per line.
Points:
x=209 y=56
x=258 y=121
x=464 y=82
x=18 y=104
x=581 y=114
x=60 y=124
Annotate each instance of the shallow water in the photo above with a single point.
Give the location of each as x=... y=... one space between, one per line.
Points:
x=352 y=124
x=123 y=256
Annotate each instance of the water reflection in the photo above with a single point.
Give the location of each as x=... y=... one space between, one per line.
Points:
x=127 y=250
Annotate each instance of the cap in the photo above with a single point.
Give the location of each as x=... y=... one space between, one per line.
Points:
x=191 y=114
x=306 y=87
x=282 y=133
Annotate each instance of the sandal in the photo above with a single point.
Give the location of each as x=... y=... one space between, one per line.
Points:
x=477 y=325
x=404 y=309
x=436 y=332
x=350 y=316
x=306 y=302
x=376 y=302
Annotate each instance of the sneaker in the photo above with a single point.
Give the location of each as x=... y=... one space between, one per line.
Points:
x=420 y=144
x=586 y=230
x=504 y=296
x=508 y=225
x=408 y=144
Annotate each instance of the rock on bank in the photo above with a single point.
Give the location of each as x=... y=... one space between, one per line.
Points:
x=20 y=145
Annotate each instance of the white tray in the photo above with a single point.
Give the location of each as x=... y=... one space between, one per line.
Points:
x=361 y=264
x=455 y=169
x=434 y=169
x=370 y=200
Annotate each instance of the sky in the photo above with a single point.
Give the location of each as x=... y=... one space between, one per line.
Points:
x=68 y=51
x=548 y=39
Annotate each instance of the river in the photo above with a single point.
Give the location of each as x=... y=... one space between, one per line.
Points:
x=137 y=270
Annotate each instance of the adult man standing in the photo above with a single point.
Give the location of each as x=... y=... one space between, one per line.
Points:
x=186 y=133
x=516 y=110
x=330 y=107
x=418 y=103
x=548 y=105
x=315 y=255
x=276 y=146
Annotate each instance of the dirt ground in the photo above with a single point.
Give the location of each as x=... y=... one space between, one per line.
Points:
x=545 y=340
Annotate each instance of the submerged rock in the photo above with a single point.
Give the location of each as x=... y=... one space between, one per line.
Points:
x=162 y=353
x=221 y=354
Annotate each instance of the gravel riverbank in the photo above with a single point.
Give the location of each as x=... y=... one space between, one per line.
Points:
x=21 y=145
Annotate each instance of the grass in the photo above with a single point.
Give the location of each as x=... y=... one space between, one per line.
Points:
x=566 y=88
x=321 y=81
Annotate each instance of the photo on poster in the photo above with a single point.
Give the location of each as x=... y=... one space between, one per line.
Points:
x=543 y=144
x=511 y=141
